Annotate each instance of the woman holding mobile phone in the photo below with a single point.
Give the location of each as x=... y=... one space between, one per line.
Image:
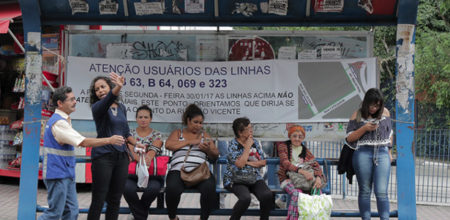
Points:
x=370 y=131
x=201 y=148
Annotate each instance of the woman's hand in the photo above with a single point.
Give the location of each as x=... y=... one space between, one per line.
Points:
x=205 y=146
x=248 y=142
x=116 y=79
x=369 y=126
x=308 y=175
x=317 y=183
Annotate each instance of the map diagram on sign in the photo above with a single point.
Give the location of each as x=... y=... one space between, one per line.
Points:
x=333 y=89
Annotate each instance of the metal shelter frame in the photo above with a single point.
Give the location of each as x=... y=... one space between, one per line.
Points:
x=36 y=13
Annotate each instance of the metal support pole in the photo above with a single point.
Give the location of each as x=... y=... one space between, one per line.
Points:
x=32 y=112
x=406 y=190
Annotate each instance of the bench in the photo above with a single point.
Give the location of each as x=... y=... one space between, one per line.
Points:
x=218 y=167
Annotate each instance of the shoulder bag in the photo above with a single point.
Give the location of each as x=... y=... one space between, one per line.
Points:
x=196 y=175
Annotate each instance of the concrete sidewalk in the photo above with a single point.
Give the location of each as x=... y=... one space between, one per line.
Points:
x=9 y=196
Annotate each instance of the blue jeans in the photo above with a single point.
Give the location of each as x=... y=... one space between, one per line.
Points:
x=62 y=199
x=372 y=166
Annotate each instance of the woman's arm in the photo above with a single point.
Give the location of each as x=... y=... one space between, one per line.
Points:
x=358 y=133
x=118 y=81
x=100 y=108
x=257 y=164
x=209 y=147
x=173 y=142
x=241 y=161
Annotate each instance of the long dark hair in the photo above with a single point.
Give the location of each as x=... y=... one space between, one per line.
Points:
x=92 y=96
x=191 y=112
x=372 y=96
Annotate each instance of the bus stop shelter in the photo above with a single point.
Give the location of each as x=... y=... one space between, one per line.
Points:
x=401 y=13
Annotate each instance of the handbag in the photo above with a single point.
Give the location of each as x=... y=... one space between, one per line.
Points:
x=315 y=206
x=158 y=167
x=159 y=170
x=240 y=177
x=142 y=172
x=300 y=181
x=196 y=175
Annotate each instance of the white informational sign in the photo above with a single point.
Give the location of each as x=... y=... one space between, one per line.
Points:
x=286 y=53
x=108 y=7
x=308 y=54
x=330 y=52
x=194 y=6
x=79 y=6
x=278 y=7
x=266 y=91
x=329 y=5
x=149 y=8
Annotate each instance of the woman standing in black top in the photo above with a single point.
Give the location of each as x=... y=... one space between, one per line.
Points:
x=109 y=162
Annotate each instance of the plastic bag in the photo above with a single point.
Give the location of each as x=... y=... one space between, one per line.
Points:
x=315 y=206
x=142 y=172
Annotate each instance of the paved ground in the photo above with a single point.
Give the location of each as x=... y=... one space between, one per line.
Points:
x=9 y=195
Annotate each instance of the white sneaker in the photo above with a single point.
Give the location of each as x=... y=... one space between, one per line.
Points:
x=284 y=183
x=222 y=200
x=130 y=217
x=280 y=203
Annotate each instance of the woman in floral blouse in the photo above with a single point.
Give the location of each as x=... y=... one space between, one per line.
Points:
x=246 y=155
x=152 y=140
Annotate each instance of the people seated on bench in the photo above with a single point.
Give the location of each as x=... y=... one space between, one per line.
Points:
x=153 y=141
x=203 y=149
x=293 y=154
x=246 y=156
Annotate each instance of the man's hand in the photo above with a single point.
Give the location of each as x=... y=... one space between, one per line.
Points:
x=116 y=140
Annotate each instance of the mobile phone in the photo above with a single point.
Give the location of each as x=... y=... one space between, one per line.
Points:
x=207 y=140
x=374 y=121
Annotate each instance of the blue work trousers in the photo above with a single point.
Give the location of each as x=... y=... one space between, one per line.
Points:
x=62 y=199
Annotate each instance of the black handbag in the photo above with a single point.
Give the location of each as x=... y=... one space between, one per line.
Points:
x=240 y=177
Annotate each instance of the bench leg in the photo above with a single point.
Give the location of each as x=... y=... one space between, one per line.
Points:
x=160 y=201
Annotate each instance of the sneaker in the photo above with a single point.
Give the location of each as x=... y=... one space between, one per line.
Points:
x=284 y=183
x=280 y=203
x=130 y=217
x=254 y=202
x=222 y=200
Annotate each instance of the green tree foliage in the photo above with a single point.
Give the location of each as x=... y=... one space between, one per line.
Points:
x=432 y=61
x=432 y=64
